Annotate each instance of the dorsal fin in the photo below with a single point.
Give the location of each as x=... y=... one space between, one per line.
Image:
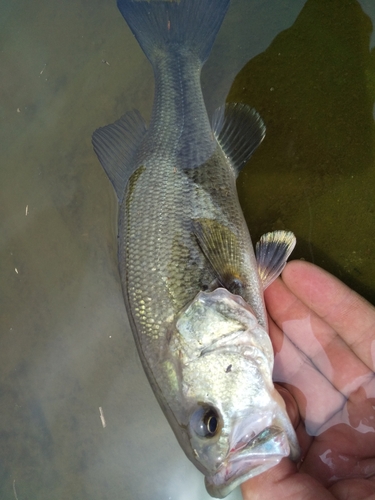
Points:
x=239 y=130
x=116 y=146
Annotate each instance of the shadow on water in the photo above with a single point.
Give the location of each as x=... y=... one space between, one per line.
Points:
x=314 y=174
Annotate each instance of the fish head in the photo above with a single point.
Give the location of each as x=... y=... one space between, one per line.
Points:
x=234 y=420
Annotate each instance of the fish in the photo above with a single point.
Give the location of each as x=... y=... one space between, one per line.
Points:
x=192 y=284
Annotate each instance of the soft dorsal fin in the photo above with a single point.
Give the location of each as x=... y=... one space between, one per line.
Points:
x=239 y=130
x=220 y=247
x=272 y=252
x=116 y=146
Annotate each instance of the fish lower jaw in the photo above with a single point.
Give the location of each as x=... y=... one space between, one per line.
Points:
x=250 y=461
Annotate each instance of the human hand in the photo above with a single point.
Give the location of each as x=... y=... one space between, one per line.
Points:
x=323 y=336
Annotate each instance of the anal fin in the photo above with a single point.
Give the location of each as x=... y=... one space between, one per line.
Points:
x=239 y=130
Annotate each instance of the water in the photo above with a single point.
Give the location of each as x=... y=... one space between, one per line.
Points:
x=66 y=348
x=314 y=86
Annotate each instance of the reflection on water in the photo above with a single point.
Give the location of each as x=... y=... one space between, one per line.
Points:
x=66 y=347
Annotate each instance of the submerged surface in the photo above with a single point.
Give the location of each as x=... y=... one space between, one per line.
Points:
x=66 y=347
x=314 y=174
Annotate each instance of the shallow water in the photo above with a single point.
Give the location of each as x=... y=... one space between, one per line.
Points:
x=314 y=174
x=66 y=348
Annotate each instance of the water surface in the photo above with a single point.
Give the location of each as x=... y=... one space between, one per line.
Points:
x=66 y=348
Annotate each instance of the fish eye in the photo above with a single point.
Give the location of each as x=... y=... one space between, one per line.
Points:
x=205 y=422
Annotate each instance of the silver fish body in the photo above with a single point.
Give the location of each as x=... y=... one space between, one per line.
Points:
x=189 y=274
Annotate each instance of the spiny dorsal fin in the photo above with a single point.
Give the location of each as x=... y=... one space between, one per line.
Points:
x=220 y=246
x=239 y=130
x=116 y=146
x=272 y=252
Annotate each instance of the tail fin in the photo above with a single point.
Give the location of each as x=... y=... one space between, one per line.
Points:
x=164 y=25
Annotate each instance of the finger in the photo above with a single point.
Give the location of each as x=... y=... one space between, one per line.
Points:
x=351 y=316
x=304 y=439
x=329 y=354
x=340 y=453
x=284 y=482
x=354 y=489
x=316 y=397
x=291 y=405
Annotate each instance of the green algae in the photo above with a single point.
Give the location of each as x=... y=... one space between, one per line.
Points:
x=314 y=174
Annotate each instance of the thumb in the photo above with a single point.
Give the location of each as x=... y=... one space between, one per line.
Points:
x=284 y=482
x=290 y=404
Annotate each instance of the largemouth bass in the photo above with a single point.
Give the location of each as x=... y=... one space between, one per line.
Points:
x=192 y=286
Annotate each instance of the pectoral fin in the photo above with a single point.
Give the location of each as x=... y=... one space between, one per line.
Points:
x=220 y=246
x=272 y=252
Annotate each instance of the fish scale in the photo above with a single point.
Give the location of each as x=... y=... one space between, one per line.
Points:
x=190 y=280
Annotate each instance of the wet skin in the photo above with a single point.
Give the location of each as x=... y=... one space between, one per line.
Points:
x=323 y=334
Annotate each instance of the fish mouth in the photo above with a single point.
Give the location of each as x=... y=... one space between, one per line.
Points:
x=258 y=455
